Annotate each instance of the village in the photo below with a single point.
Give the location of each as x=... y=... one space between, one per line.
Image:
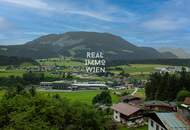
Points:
x=131 y=110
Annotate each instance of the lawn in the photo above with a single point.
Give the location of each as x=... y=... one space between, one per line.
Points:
x=60 y=62
x=140 y=68
x=140 y=93
x=84 y=96
x=7 y=73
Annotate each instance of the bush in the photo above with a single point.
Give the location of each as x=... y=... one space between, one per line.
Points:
x=103 y=98
x=182 y=95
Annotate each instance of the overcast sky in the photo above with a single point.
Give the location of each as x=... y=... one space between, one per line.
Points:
x=155 y=23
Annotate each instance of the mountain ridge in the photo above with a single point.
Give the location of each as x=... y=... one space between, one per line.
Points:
x=76 y=44
x=179 y=52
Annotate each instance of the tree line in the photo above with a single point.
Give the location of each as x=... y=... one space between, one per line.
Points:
x=12 y=60
x=25 y=109
x=175 y=62
x=165 y=86
x=27 y=79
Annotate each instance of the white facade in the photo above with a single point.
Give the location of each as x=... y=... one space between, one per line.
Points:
x=116 y=116
x=152 y=125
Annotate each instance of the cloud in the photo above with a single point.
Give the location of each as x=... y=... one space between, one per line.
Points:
x=165 y=24
x=99 y=10
x=4 y=24
x=36 y=4
x=172 y=15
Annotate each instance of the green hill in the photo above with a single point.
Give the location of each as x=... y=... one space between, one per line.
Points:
x=76 y=44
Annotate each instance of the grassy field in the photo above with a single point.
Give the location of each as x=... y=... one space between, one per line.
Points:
x=140 y=93
x=85 y=96
x=6 y=73
x=134 y=69
x=60 y=62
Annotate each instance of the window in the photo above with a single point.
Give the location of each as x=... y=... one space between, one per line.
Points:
x=157 y=127
x=115 y=117
x=152 y=123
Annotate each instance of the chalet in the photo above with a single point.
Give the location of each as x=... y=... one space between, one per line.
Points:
x=166 y=121
x=160 y=106
x=132 y=100
x=125 y=113
x=184 y=110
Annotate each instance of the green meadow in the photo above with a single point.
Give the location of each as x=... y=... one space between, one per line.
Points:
x=7 y=73
x=84 y=96
x=134 y=69
x=60 y=62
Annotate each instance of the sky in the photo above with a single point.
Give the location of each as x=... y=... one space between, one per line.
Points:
x=152 y=23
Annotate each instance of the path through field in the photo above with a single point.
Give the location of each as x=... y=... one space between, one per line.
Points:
x=133 y=93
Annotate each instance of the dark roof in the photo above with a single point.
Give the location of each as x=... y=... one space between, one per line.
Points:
x=129 y=97
x=187 y=101
x=159 y=103
x=125 y=109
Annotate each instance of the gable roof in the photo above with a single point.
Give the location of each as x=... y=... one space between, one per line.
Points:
x=129 y=97
x=158 y=103
x=125 y=108
x=171 y=121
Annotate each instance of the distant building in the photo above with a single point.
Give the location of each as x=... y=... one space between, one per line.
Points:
x=156 y=105
x=62 y=84
x=90 y=85
x=132 y=100
x=56 y=85
x=125 y=113
x=46 y=85
x=170 y=69
x=166 y=121
x=184 y=109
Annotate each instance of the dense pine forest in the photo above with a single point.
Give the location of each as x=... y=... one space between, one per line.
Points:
x=167 y=86
x=12 y=60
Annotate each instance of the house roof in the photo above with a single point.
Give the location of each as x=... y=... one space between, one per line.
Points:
x=187 y=101
x=129 y=97
x=158 y=103
x=171 y=121
x=125 y=108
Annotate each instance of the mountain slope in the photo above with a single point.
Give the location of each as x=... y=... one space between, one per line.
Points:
x=180 y=53
x=76 y=44
x=6 y=60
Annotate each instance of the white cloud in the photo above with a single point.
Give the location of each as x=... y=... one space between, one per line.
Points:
x=4 y=24
x=96 y=9
x=172 y=15
x=36 y=4
x=165 y=24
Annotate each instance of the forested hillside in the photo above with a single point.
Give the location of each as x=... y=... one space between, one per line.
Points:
x=12 y=60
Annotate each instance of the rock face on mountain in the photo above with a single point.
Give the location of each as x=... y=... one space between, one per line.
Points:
x=76 y=44
x=179 y=52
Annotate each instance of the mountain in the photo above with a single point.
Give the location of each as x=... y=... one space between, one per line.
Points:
x=179 y=52
x=76 y=44
x=12 y=60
